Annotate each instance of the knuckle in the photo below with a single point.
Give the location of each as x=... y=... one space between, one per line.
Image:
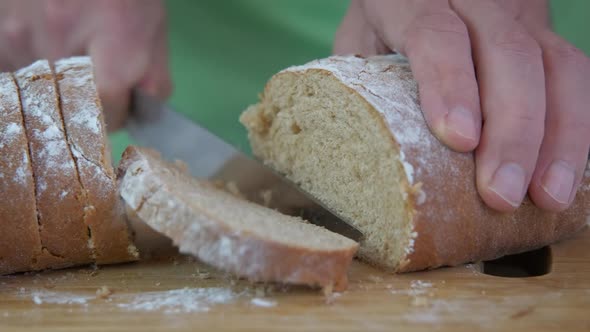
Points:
x=567 y=54
x=516 y=43
x=14 y=30
x=458 y=79
x=442 y=22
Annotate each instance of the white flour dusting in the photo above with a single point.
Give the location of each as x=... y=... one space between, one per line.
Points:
x=481 y=312
x=11 y=130
x=12 y=135
x=265 y=303
x=417 y=287
x=20 y=175
x=184 y=300
x=408 y=168
x=39 y=106
x=86 y=120
x=410 y=247
x=81 y=111
x=48 y=297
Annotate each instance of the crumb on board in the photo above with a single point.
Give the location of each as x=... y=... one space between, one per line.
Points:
x=103 y=292
x=266 y=196
x=263 y=302
x=232 y=188
x=181 y=165
x=260 y=292
x=375 y=278
x=328 y=290
x=419 y=301
x=204 y=275
x=330 y=296
x=522 y=313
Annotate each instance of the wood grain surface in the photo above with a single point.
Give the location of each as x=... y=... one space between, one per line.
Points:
x=169 y=291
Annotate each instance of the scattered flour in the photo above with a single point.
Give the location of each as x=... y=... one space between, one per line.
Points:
x=417 y=287
x=48 y=297
x=11 y=130
x=265 y=303
x=481 y=312
x=184 y=300
x=408 y=168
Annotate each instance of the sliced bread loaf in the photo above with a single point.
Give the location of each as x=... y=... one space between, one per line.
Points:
x=228 y=232
x=60 y=204
x=88 y=141
x=20 y=244
x=350 y=131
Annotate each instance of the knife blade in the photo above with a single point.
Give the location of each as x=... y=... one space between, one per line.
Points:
x=155 y=125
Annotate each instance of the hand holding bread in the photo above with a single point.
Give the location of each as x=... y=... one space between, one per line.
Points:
x=494 y=79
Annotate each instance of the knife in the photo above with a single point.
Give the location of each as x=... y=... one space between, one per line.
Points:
x=155 y=125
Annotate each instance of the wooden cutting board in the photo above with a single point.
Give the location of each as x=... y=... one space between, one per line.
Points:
x=172 y=291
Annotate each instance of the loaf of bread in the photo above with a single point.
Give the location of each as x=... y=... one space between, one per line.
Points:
x=60 y=205
x=228 y=232
x=350 y=131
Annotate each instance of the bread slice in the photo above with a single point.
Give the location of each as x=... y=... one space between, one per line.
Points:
x=58 y=191
x=350 y=131
x=88 y=141
x=20 y=244
x=228 y=232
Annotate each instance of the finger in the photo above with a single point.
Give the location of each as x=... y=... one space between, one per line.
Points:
x=438 y=47
x=14 y=44
x=564 y=152
x=54 y=27
x=511 y=81
x=120 y=49
x=118 y=68
x=15 y=35
x=356 y=36
x=157 y=81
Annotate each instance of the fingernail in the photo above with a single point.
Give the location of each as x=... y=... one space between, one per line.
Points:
x=461 y=121
x=509 y=183
x=558 y=181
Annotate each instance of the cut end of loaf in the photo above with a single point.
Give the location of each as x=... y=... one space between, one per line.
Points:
x=228 y=232
x=65 y=211
x=329 y=140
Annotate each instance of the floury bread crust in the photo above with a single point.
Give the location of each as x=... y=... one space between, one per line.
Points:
x=228 y=232
x=60 y=202
x=350 y=131
x=88 y=140
x=20 y=244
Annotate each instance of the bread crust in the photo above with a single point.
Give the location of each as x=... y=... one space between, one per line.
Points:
x=88 y=141
x=58 y=192
x=451 y=223
x=20 y=244
x=198 y=233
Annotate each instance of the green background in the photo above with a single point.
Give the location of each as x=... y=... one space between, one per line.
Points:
x=223 y=52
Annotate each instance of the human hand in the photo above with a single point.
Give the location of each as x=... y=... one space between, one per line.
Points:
x=125 y=38
x=492 y=78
